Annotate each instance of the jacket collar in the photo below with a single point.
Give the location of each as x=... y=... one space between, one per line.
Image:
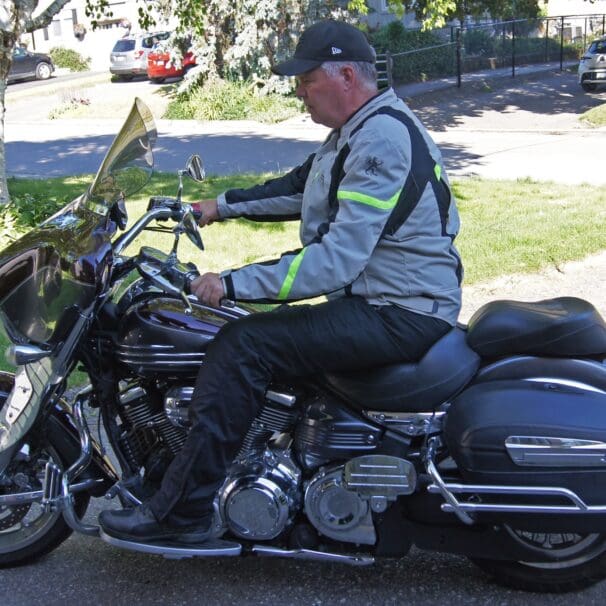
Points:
x=386 y=97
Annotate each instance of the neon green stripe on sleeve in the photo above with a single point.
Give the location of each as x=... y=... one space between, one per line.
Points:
x=290 y=276
x=437 y=169
x=369 y=200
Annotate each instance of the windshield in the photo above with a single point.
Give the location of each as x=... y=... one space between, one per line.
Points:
x=128 y=165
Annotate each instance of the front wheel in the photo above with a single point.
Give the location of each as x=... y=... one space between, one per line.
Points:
x=572 y=562
x=27 y=532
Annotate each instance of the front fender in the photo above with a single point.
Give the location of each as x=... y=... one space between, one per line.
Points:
x=60 y=431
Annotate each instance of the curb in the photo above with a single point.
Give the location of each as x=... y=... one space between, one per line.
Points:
x=49 y=87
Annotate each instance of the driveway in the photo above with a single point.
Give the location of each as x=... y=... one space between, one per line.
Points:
x=504 y=129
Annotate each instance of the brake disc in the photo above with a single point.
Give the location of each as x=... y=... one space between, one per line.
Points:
x=10 y=516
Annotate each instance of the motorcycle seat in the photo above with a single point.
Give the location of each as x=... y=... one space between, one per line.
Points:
x=562 y=327
x=411 y=387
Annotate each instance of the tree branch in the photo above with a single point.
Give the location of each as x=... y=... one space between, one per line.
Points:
x=46 y=16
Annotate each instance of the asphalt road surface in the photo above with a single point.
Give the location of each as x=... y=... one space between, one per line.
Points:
x=508 y=129
x=86 y=570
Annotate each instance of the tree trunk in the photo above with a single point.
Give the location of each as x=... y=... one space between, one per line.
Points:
x=3 y=181
x=5 y=64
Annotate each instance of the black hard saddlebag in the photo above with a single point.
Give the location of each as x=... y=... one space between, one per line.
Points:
x=531 y=433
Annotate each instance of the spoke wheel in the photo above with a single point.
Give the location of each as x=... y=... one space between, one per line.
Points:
x=572 y=561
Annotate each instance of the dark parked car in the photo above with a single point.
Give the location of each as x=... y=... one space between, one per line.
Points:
x=30 y=65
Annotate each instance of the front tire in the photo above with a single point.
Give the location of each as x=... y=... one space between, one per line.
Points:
x=572 y=562
x=27 y=532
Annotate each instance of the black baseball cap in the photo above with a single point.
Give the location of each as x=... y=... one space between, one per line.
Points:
x=326 y=41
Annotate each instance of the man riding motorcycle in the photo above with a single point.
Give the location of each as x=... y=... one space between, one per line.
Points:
x=377 y=227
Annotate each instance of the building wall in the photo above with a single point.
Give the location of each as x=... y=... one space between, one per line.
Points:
x=96 y=44
x=575 y=7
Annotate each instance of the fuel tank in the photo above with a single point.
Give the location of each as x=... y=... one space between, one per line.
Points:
x=160 y=335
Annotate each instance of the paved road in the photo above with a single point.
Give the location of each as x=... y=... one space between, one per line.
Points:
x=511 y=129
x=85 y=570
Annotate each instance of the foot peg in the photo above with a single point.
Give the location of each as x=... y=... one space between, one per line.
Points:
x=175 y=551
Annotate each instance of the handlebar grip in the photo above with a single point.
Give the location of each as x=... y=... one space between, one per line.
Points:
x=196 y=211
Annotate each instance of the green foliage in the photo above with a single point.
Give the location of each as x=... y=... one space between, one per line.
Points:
x=436 y=13
x=69 y=58
x=420 y=66
x=225 y=100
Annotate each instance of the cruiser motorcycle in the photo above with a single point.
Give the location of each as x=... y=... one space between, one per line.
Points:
x=492 y=446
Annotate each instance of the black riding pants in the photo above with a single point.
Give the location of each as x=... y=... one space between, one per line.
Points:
x=248 y=354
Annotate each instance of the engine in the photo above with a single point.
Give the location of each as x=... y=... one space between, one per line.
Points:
x=265 y=488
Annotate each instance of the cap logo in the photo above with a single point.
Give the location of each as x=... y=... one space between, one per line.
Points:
x=336 y=51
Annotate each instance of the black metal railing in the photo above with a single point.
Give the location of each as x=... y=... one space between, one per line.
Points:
x=490 y=46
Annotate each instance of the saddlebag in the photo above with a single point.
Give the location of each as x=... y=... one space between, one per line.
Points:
x=529 y=433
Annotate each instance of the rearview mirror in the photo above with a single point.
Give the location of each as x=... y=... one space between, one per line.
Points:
x=194 y=168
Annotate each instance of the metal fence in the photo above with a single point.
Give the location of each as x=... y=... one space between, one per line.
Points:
x=488 y=46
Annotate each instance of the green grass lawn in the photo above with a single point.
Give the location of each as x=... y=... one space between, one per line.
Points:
x=596 y=116
x=507 y=226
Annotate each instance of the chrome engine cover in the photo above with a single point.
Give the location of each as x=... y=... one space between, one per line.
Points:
x=340 y=501
x=261 y=496
x=336 y=512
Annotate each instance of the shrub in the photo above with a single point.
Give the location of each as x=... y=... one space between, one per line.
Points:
x=69 y=58
x=226 y=100
x=420 y=66
x=25 y=211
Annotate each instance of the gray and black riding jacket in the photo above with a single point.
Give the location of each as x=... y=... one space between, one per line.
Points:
x=377 y=219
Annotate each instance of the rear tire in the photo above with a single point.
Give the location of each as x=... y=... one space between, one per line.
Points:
x=572 y=562
x=157 y=80
x=43 y=71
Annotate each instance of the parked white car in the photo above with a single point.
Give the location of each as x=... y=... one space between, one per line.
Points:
x=592 y=68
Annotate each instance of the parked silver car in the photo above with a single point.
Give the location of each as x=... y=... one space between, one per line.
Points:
x=592 y=68
x=128 y=58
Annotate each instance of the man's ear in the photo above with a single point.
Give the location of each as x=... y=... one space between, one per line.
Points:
x=349 y=76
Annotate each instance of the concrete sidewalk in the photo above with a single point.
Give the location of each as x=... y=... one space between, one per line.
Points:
x=516 y=128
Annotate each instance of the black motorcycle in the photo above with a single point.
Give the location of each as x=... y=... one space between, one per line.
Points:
x=492 y=446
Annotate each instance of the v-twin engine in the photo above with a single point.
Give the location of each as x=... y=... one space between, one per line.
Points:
x=274 y=477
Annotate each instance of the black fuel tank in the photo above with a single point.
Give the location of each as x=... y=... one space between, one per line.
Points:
x=156 y=335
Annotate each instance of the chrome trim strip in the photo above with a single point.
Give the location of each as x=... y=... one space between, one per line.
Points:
x=565 y=383
x=544 y=451
x=310 y=554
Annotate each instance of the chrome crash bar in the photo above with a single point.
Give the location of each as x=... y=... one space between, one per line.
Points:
x=464 y=510
x=57 y=485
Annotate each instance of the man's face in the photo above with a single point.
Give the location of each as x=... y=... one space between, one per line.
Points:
x=323 y=97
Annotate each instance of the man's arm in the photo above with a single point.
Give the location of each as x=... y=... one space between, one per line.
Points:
x=375 y=172
x=275 y=200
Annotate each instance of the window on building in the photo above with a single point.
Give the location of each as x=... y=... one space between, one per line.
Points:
x=56 y=27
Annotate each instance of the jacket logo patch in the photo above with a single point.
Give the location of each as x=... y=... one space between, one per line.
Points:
x=372 y=166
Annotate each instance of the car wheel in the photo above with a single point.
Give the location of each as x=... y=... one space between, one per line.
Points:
x=43 y=71
x=157 y=80
x=588 y=87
